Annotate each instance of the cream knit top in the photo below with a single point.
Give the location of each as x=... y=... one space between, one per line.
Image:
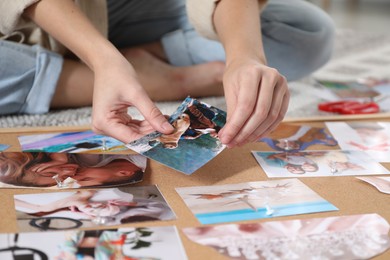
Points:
x=200 y=14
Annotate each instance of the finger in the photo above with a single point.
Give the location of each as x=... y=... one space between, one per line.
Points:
x=264 y=104
x=116 y=128
x=152 y=114
x=240 y=110
x=275 y=121
x=275 y=114
x=257 y=135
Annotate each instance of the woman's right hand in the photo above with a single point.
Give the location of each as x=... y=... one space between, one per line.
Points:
x=116 y=89
x=115 y=84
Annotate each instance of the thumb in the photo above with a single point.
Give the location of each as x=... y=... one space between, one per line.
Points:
x=153 y=115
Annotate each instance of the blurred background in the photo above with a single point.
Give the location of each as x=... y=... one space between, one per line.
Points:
x=361 y=15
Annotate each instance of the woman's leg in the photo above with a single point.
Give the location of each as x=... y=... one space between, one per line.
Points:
x=28 y=77
x=297 y=36
x=137 y=27
x=161 y=81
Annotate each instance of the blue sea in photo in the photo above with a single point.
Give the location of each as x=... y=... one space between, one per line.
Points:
x=250 y=214
x=188 y=156
x=70 y=142
x=3 y=147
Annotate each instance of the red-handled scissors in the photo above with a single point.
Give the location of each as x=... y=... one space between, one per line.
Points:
x=349 y=107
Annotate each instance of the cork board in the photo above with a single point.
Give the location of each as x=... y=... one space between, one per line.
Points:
x=237 y=165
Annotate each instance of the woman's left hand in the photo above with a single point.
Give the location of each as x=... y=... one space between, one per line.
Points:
x=257 y=99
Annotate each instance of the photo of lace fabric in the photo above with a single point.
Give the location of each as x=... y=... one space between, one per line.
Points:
x=346 y=237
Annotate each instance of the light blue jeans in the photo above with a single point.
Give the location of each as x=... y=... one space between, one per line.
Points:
x=297 y=37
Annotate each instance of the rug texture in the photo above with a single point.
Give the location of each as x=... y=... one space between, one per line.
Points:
x=347 y=43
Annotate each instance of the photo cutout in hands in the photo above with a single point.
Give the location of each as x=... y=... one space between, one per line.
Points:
x=193 y=143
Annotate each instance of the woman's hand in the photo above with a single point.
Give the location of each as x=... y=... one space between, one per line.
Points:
x=257 y=99
x=115 y=84
x=256 y=95
x=116 y=89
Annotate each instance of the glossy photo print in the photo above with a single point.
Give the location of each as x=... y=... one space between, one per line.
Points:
x=317 y=163
x=194 y=142
x=381 y=183
x=344 y=237
x=353 y=89
x=298 y=138
x=370 y=137
x=90 y=208
x=69 y=170
x=3 y=147
x=127 y=243
x=252 y=200
x=71 y=142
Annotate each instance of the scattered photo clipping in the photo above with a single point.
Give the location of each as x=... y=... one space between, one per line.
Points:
x=381 y=183
x=69 y=170
x=3 y=147
x=318 y=163
x=124 y=243
x=344 y=237
x=70 y=142
x=252 y=200
x=298 y=138
x=370 y=137
x=90 y=208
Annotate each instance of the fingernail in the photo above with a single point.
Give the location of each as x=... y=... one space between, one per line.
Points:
x=167 y=126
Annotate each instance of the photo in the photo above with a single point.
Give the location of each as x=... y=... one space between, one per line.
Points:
x=90 y=208
x=3 y=147
x=295 y=138
x=69 y=170
x=370 y=137
x=381 y=183
x=353 y=89
x=130 y=243
x=252 y=200
x=193 y=143
x=72 y=142
x=343 y=237
x=317 y=163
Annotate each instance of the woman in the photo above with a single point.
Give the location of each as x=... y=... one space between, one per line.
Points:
x=154 y=52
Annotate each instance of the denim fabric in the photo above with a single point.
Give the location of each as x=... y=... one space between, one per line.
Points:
x=297 y=36
x=28 y=77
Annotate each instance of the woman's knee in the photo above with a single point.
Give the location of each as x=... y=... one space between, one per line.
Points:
x=298 y=37
x=28 y=77
x=320 y=39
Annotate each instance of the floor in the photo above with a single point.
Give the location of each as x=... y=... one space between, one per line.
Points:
x=361 y=15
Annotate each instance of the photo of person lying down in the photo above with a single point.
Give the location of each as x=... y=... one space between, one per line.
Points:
x=61 y=170
x=90 y=208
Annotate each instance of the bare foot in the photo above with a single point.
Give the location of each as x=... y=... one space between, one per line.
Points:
x=164 y=82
